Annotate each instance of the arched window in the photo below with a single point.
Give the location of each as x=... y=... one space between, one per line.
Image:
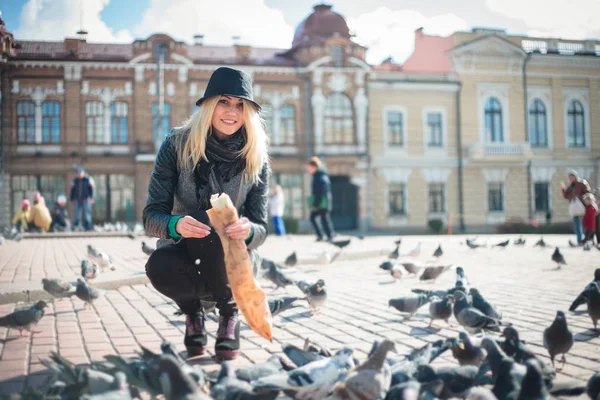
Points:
x=575 y=124
x=50 y=122
x=338 y=123
x=538 y=128
x=119 y=116
x=287 y=131
x=161 y=124
x=26 y=121
x=94 y=121
x=493 y=121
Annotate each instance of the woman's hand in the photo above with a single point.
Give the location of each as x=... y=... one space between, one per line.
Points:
x=239 y=229
x=562 y=186
x=189 y=227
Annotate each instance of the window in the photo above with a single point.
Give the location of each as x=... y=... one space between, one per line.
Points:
x=24 y=186
x=437 y=198
x=538 y=130
x=496 y=197
x=266 y=113
x=50 y=122
x=161 y=125
x=338 y=124
x=337 y=55
x=291 y=184
x=542 y=196
x=122 y=192
x=160 y=49
x=395 y=128
x=26 y=121
x=397 y=199
x=94 y=121
x=287 y=133
x=119 y=129
x=434 y=127
x=493 y=121
x=575 y=125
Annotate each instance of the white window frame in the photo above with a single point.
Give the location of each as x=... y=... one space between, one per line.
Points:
x=500 y=91
x=435 y=150
x=583 y=99
x=488 y=184
x=395 y=149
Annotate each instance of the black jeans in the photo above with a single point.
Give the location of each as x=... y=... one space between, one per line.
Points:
x=325 y=221
x=598 y=229
x=174 y=272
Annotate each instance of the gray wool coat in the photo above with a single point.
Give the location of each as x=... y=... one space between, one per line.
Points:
x=172 y=191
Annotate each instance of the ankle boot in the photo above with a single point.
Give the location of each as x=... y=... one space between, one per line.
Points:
x=227 y=346
x=195 y=333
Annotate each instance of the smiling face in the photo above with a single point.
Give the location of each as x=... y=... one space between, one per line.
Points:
x=228 y=116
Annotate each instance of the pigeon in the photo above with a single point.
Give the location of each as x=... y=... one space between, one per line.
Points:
x=414 y=390
x=582 y=298
x=467 y=353
x=457 y=380
x=432 y=273
x=386 y=265
x=540 y=243
x=57 y=288
x=520 y=241
x=462 y=278
x=396 y=272
x=341 y=243
x=441 y=309
x=532 y=386
x=593 y=303
x=502 y=244
x=394 y=255
x=494 y=358
x=278 y=306
x=131 y=236
x=272 y=366
x=483 y=305
x=558 y=338
x=277 y=277
x=314 y=347
x=291 y=260
x=311 y=381
x=398 y=242
x=415 y=252
x=409 y=305
x=229 y=386
x=87 y=293
x=89 y=270
x=411 y=268
x=92 y=252
x=175 y=383
x=370 y=380
x=571 y=244
x=472 y=244
x=593 y=387
x=316 y=296
x=303 y=286
x=587 y=246
x=148 y=250
x=300 y=357
x=438 y=252
x=558 y=258
x=471 y=318
x=24 y=318
x=506 y=386
x=104 y=261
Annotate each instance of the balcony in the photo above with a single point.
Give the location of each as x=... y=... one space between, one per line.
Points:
x=502 y=151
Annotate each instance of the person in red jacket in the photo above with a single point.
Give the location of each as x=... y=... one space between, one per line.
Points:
x=589 y=219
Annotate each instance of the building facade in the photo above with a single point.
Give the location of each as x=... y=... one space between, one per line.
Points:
x=476 y=129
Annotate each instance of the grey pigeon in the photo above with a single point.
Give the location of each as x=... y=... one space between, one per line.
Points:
x=104 y=261
x=176 y=384
x=412 y=268
x=502 y=244
x=414 y=390
x=291 y=260
x=141 y=372
x=495 y=355
x=89 y=270
x=315 y=347
x=480 y=393
x=593 y=303
x=229 y=387
x=520 y=241
x=317 y=296
x=278 y=306
x=300 y=357
x=433 y=273
x=466 y=352
x=341 y=243
x=253 y=372
x=92 y=251
x=540 y=243
x=311 y=381
x=148 y=250
x=532 y=386
x=303 y=286
x=582 y=298
x=441 y=309
x=395 y=254
x=516 y=349
x=410 y=304
x=462 y=278
x=277 y=277
x=386 y=265
x=558 y=338
x=57 y=288
x=438 y=252
x=483 y=305
x=369 y=380
x=593 y=387
x=558 y=258
x=78 y=376
x=87 y=293
x=471 y=318
x=472 y=245
x=458 y=380
x=24 y=318
x=118 y=390
x=506 y=386
x=194 y=371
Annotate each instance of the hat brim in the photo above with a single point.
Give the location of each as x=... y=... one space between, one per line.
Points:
x=256 y=105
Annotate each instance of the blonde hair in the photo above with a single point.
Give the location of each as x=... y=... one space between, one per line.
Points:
x=199 y=126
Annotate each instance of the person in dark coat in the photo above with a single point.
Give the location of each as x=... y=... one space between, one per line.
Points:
x=320 y=201
x=82 y=196
x=60 y=217
x=221 y=149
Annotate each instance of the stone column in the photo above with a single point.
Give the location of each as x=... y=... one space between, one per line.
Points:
x=38 y=97
x=318 y=104
x=361 y=104
x=106 y=98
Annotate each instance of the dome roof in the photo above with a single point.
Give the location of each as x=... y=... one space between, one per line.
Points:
x=322 y=24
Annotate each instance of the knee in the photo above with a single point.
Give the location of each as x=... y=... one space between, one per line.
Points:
x=157 y=268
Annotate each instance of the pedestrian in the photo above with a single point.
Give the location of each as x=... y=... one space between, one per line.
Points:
x=60 y=218
x=320 y=201
x=82 y=196
x=589 y=219
x=39 y=218
x=276 y=207
x=597 y=198
x=21 y=218
x=222 y=148
x=574 y=194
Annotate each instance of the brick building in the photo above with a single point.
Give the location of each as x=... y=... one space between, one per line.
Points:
x=442 y=134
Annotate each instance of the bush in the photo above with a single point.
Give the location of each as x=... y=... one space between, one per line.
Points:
x=435 y=225
x=522 y=227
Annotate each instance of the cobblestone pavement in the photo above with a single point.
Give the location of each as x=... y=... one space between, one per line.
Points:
x=521 y=282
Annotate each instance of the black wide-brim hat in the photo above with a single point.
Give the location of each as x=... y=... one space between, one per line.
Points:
x=227 y=81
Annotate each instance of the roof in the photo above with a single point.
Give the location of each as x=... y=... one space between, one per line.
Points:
x=322 y=24
x=430 y=54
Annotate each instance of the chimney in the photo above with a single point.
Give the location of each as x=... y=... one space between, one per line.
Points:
x=242 y=53
x=72 y=46
x=199 y=39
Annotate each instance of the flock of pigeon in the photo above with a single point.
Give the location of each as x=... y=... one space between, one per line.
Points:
x=489 y=366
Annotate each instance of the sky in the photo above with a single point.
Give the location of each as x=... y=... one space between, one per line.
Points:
x=386 y=27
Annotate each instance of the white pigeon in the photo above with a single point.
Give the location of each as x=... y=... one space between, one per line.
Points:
x=313 y=380
x=414 y=252
x=104 y=262
x=92 y=252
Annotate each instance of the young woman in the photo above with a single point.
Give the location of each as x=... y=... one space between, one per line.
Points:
x=222 y=148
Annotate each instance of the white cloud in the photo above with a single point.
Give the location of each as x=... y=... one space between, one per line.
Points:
x=57 y=19
x=552 y=18
x=391 y=32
